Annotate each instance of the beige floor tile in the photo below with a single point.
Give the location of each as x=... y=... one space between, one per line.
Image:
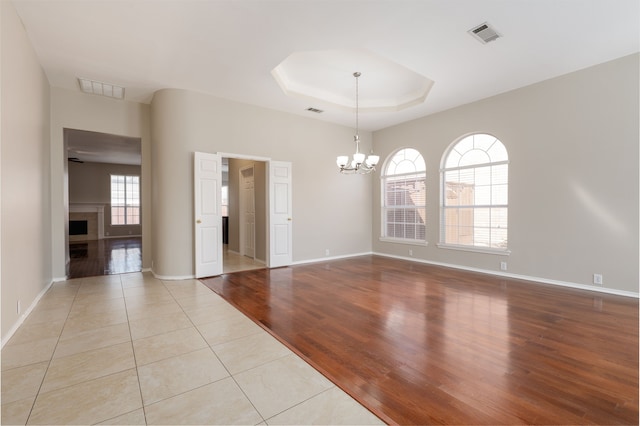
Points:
x=221 y=402
x=98 y=295
x=146 y=290
x=89 y=365
x=183 y=290
x=54 y=303
x=279 y=385
x=42 y=315
x=106 y=289
x=29 y=332
x=224 y=331
x=149 y=310
x=19 y=355
x=89 y=402
x=135 y=417
x=192 y=303
x=148 y=298
x=214 y=313
x=17 y=412
x=167 y=345
x=84 y=308
x=179 y=374
x=81 y=323
x=92 y=339
x=147 y=327
x=250 y=351
x=22 y=382
x=331 y=407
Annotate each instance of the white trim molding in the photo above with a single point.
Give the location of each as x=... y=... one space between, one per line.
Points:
x=24 y=315
x=533 y=280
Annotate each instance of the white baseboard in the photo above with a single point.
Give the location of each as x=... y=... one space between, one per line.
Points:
x=520 y=277
x=324 y=259
x=25 y=314
x=172 y=277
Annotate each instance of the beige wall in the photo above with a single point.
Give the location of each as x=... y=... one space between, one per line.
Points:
x=91 y=183
x=330 y=211
x=25 y=230
x=76 y=110
x=573 y=175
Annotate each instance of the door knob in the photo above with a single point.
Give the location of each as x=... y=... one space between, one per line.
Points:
x=198 y=221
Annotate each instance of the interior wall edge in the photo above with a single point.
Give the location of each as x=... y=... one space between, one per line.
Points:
x=25 y=314
x=531 y=279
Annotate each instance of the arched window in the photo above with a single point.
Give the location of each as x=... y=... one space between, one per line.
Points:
x=474 y=194
x=404 y=197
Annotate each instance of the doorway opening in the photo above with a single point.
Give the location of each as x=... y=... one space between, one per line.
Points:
x=244 y=213
x=104 y=204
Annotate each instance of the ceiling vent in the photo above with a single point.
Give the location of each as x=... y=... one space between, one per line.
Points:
x=316 y=110
x=100 y=88
x=485 y=33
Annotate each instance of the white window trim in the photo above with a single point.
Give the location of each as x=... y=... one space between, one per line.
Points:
x=475 y=249
x=404 y=241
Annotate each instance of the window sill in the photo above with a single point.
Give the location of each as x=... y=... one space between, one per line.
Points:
x=403 y=241
x=499 y=252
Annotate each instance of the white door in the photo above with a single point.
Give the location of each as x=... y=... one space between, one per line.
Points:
x=280 y=214
x=207 y=182
x=247 y=212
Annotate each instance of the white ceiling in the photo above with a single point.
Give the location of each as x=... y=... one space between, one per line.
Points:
x=94 y=147
x=228 y=48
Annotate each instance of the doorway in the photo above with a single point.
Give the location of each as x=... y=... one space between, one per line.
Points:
x=104 y=204
x=244 y=202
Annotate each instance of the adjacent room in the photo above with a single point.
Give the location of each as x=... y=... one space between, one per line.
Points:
x=320 y=212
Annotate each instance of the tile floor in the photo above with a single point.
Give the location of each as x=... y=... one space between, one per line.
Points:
x=234 y=262
x=131 y=349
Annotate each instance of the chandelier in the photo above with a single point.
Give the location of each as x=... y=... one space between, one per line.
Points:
x=359 y=164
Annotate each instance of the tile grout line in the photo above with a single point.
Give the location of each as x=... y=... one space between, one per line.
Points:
x=33 y=404
x=216 y=355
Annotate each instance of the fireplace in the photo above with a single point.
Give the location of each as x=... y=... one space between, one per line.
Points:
x=92 y=218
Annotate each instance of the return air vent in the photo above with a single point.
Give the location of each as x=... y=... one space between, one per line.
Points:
x=484 y=33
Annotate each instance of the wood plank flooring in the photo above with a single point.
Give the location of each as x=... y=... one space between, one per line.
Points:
x=105 y=257
x=420 y=344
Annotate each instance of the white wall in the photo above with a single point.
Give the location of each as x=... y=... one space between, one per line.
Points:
x=25 y=229
x=330 y=211
x=76 y=110
x=573 y=175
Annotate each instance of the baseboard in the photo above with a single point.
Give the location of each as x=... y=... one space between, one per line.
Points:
x=25 y=314
x=519 y=277
x=324 y=259
x=172 y=277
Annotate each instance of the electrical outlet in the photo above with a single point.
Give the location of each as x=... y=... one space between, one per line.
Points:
x=410 y=252
x=327 y=252
x=503 y=266
x=18 y=308
x=597 y=279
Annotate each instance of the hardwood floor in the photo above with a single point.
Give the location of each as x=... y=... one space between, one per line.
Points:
x=420 y=344
x=105 y=257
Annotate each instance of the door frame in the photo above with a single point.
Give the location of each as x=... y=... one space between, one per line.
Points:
x=242 y=211
x=268 y=194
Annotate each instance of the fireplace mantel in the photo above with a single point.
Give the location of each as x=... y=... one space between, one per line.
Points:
x=90 y=208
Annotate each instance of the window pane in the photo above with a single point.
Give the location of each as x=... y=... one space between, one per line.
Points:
x=474 y=156
x=475 y=193
x=499 y=194
x=482 y=195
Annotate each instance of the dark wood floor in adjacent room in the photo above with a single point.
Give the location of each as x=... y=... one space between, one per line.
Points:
x=105 y=257
x=420 y=344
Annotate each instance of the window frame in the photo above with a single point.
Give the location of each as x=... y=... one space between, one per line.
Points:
x=383 y=201
x=126 y=205
x=443 y=193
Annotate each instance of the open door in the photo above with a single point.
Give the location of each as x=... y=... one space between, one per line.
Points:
x=207 y=182
x=280 y=214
